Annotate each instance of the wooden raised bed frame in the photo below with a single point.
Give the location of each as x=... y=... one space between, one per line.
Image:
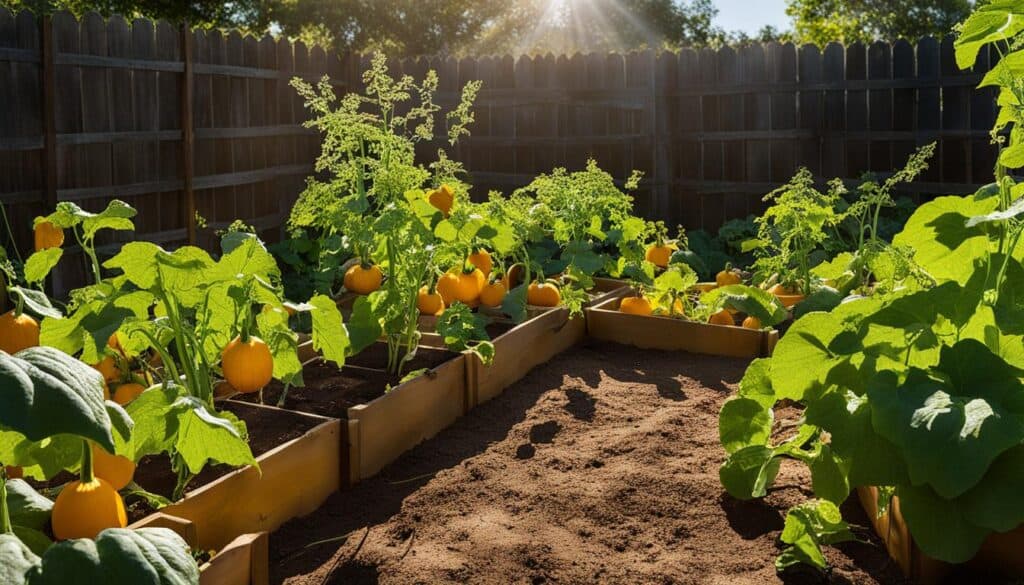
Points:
x=381 y=430
x=250 y=500
x=243 y=561
x=606 y=322
x=1000 y=553
x=378 y=432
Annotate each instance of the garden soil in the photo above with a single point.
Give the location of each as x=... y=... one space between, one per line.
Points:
x=599 y=467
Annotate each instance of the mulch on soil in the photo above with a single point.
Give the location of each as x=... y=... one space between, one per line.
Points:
x=599 y=467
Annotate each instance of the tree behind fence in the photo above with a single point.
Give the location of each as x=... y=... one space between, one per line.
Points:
x=177 y=122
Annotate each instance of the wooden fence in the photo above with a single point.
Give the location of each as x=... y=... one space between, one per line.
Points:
x=176 y=121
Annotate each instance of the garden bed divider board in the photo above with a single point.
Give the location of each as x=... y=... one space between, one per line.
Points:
x=606 y=289
x=605 y=322
x=1001 y=552
x=243 y=561
x=386 y=427
x=250 y=500
x=522 y=348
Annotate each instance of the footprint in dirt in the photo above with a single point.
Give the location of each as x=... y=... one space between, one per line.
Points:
x=539 y=434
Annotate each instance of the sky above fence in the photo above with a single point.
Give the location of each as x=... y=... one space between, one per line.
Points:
x=750 y=16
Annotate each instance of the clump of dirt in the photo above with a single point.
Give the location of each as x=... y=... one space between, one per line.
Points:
x=599 y=467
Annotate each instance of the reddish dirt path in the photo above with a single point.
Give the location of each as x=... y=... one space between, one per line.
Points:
x=599 y=467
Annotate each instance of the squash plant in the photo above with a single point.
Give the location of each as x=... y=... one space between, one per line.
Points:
x=919 y=390
x=182 y=310
x=51 y=400
x=373 y=197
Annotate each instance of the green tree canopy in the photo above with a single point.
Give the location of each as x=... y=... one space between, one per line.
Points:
x=848 y=21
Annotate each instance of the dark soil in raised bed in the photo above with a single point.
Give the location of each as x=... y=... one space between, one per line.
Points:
x=268 y=429
x=330 y=391
x=599 y=467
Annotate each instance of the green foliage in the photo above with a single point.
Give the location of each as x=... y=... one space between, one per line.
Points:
x=463 y=330
x=808 y=526
x=917 y=388
x=48 y=393
x=848 y=21
x=147 y=556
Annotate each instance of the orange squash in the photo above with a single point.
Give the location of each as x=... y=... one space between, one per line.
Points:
x=722 y=317
x=116 y=470
x=659 y=255
x=482 y=260
x=751 y=322
x=493 y=294
x=363 y=279
x=543 y=294
x=125 y=393
x=443 y=198
x=108 y=367
x=84 y=509
x=461 y=286
x=248 y=365
x=48 y=236
x=787 y=296
x=429 y=303
x=635 y=306
x=18 y=332
x=728 y=277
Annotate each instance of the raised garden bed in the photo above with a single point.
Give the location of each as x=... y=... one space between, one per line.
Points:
x=243 y=561
x=382 y=415
x=999 y=555
x=292 y=449
x=606 y=322
x=520 y=349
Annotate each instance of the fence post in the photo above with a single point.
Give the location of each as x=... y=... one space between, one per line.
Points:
x=188 y=134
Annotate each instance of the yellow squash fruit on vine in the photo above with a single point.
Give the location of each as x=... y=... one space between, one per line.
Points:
x=125 y=393
x=48 y=236
x=722 y=317
x=461 y=286
x=728 y=277
x=635 y=306
x=659 y=255
x=18 y=332
x=751 y=322
x=108 y=367
x=543 y=294
x=116 y=470
x=443 y=198
x=248 y=365
x=363 y=279
x=493 y=294
x=482 y=260
x=429 y=303
x=84 y=509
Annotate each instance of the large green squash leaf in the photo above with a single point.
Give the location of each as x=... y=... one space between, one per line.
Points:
x=47 y=393
x=940 y=526
x=950 y=432
x=27 y=507
x=744 y=422
x=944 y=245
x=118 y=556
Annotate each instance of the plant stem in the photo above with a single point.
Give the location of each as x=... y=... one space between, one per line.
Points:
x=87 y=474
x=5 y=514
x=91 y=253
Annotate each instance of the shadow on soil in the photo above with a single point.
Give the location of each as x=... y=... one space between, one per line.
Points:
x=304 y=545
